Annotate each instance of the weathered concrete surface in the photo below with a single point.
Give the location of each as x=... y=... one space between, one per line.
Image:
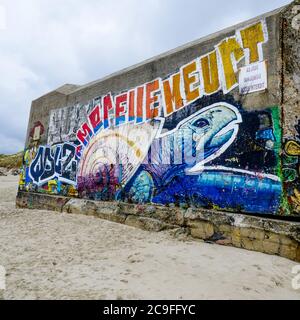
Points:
x=290 y=100
x=290 y=68
x=249 y=232
x=40 y=201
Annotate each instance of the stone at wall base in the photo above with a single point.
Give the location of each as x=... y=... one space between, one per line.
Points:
x=146 y=223
x=41 y=201
x=269 y=236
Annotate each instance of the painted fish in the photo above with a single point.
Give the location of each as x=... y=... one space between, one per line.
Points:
x=200 y=138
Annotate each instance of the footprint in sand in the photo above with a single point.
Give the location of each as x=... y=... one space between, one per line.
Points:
x=134 y=258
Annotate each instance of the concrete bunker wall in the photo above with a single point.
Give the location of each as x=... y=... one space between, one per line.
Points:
x=210 y=125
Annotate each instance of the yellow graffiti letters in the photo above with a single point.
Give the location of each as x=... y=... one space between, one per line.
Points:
x=204 y=75
x=292 y=148
x=210 y=73
x=231 y=52
x=152 y=103
x=172 y=94
x=189 y=73
x=252 y=37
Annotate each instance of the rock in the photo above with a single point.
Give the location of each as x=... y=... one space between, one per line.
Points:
x=288 y=251
x=150 y=209
x=271 y=247
x=181 y=234
x=3 y=172
x=224 y=242
x=74 y=206
x=201 y=229
x=252 y=233
x=14 y=172
x=113 y=215
x=145 y=223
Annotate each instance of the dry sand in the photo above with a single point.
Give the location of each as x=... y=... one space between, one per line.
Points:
x=49 y=255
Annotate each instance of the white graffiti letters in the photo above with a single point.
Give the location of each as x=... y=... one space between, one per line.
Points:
x=56 y=162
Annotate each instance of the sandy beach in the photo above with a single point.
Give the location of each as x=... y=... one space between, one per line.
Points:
x=50 y=255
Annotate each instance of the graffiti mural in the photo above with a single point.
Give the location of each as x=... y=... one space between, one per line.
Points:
x=237 y=164
x=50 y=169
x=183 y=140
x=291 y=170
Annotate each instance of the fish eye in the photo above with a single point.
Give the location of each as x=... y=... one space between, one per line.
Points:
x=201 y=123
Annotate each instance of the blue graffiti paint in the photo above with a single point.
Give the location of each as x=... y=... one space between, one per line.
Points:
x=266 y=134
x=142 y=188
x=57 y=162
x=225 y=190
x=205 y=135
x=213 y=130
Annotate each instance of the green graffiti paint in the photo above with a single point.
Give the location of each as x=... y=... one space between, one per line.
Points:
x=276 y=116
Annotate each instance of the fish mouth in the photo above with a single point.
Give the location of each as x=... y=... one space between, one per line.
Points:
x=214 y=130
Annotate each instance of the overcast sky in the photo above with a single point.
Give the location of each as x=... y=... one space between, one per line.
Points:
x=47 y=43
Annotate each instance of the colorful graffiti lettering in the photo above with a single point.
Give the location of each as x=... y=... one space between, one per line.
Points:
x=161 y=98
x=56 y=162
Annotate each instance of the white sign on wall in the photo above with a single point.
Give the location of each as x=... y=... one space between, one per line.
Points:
x=253 y=78
x=37 y=133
